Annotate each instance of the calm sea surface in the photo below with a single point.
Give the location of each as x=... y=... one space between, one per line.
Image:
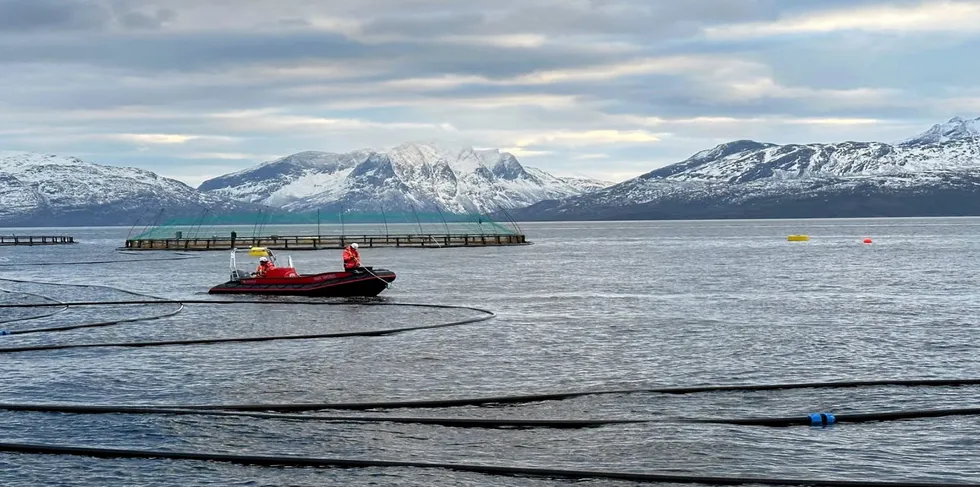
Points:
x=589 y=305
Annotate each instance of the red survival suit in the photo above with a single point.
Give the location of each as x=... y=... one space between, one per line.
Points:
x=352 y=259
x=264 y=267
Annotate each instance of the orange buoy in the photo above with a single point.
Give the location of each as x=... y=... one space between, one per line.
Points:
x=867 y=240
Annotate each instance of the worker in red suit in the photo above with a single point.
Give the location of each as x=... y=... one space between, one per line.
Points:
x=264 y=267
x=352 y=259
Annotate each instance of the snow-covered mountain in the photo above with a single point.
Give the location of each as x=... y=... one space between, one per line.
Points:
x=423 y=175
x=956 y=129
x=48 y=190
x=934 y=173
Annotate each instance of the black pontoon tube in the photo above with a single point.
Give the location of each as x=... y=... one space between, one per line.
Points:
x=451 y=422
x=297 y=461
x=64 y=307
x=829 y=419
x=97 y=324
x=93 y=262
x=815 y=419
x=487 y=315
x=558 y=396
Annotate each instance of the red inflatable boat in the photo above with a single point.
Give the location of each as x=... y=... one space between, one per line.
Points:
x=364 y=281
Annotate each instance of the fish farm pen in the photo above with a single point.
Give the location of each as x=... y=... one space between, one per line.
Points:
x=35 y=240
x=313 y=231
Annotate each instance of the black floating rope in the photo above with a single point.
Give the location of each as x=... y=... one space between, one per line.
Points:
x=64 y=307
x=487 y=314
x=816 y=419
x=180 y=256
x=452 y=422
x=558 y=396
x=297 y=461
x=828 y=419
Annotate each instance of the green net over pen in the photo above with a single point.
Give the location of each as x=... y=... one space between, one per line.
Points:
x=265 y=223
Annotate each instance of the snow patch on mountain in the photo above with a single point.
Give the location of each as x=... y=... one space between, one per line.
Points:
x=288 y=179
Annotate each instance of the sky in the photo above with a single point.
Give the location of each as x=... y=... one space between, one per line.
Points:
x=194 y=89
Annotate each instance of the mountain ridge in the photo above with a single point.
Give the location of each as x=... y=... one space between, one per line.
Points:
x=751 y=179
x=426 y=174
x=933 y=173
x=50 y=190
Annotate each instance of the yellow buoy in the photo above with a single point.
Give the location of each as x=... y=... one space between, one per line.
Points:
x=798 y=238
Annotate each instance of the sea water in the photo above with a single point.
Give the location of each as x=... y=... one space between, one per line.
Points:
x=587 y=306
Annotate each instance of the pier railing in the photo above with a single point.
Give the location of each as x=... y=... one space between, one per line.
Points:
x=6 y=240
x=315 y=242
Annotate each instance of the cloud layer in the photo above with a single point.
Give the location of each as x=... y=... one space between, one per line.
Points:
x=603 y=88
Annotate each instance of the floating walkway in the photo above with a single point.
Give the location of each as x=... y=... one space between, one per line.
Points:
x=314 y=242
x=279 y=230
x=35 y=240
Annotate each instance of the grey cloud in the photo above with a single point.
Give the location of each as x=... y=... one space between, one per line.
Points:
x=644 y=22
x=662 y=95
x=334 y=7
x=48 y=89
x=141 y=20
x=294 y=23
x=855 y=60
x=218 y=50
x=52 y=15
x=693 y=102
x=191 y=98
x=75 y=16
x=444 y=23
x=213 y=51
x=634 y=18
x=797 y=7
x=186 y=52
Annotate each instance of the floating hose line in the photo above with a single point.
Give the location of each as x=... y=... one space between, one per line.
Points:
x=815 y=419
x=93 y=262
x=178 y=256
x=281 y=411
x=297 y=461
x=449 y=422
x=63 y=306
x=828 y=419
x=486 y=315
x=143 y=252
x=98 y=324
x=85 y=286
x=559 y=396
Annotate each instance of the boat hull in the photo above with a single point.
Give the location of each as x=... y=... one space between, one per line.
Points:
x=328 y=284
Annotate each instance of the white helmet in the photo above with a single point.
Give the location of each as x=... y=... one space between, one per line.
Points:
x=353 y=245
x=263 y=259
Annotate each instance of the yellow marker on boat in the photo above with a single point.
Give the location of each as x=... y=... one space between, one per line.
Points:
x=258 y=252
